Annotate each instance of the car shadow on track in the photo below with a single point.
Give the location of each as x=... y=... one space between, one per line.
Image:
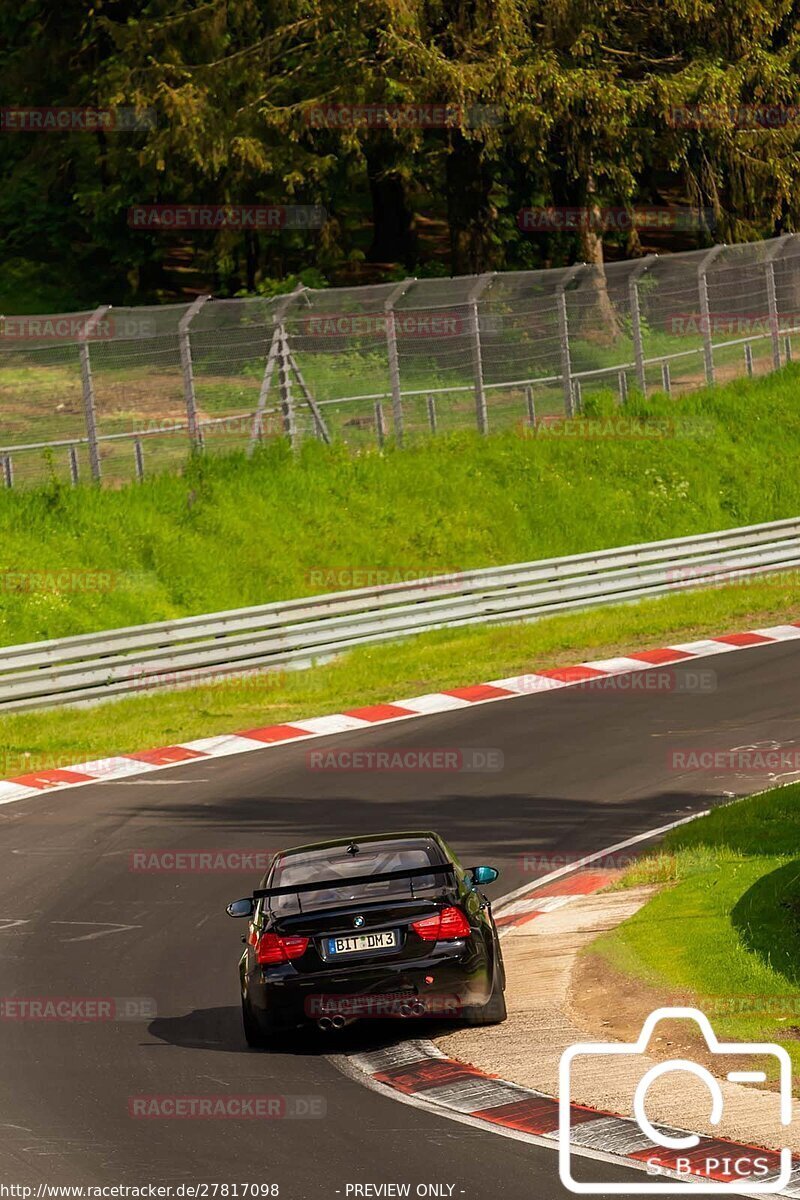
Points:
x=221 y=1029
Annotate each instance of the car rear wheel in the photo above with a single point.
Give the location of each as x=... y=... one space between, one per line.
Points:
x=493 y=1012
x=255 y=1034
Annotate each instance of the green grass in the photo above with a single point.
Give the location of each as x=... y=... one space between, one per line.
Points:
x=725 y=927
x=447 y=658
x=230 y=532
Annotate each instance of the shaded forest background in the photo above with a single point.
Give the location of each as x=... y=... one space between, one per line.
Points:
x=584 y=93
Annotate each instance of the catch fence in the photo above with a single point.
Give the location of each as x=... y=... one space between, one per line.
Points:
x=120 y=392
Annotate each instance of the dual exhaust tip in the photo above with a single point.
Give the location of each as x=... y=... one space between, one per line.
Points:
x=337 y=1022
x=409 y=1008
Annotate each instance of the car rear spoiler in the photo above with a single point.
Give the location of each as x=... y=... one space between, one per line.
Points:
x=320 y=885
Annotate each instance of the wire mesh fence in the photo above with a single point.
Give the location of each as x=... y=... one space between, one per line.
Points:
x=118 y=393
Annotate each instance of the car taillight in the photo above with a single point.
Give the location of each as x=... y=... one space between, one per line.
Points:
x=271 y=948
x=447 y=924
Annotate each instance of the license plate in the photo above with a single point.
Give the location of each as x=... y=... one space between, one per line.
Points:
x=386 y=940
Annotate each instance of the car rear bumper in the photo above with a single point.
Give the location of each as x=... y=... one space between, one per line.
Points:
x=440 y=987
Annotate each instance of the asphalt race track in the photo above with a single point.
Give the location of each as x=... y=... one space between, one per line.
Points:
x=582 y=770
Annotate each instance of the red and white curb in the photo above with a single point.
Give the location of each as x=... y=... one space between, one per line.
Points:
x=551 y=896
x=419 y=1073
x=22 y=787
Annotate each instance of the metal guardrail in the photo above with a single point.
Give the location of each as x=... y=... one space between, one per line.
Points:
x=122 y=662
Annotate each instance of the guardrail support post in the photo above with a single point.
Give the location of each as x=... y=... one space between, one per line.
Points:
x=475 y=294
x=666 y=381
x=138 y=458
x=87 y=387
x=705 y=311
x=636 y=319
x=187 y=370
x=74 y=472
x=748 y=359
x=622 y=382
x=394 y=361
x=563 y=336
x=8 y=470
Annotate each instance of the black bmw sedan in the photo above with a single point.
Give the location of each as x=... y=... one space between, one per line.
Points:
x=389 y=925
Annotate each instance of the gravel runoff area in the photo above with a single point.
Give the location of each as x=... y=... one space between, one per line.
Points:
x=558 y=995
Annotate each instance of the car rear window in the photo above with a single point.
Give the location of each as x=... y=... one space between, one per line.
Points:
x=373 y=858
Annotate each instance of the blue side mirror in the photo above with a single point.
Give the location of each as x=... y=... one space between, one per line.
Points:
x=241 y=908
x=482 y=875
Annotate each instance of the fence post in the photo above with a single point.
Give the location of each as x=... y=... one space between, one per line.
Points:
x=8 y=470
x=705 y=312
x=772 y=300
x=138 y=457
x=622 y=383
x=636 y=319
x=748 y=359
x=187 y=370
x=285 y=386
x=74 y=472
x=431 y=412
x=380 y=426
x=563 y=335
x=787 y=348
x=269 y=367
x=87 y=387
x=475 y=294
x=394 y=362
x=531 y=406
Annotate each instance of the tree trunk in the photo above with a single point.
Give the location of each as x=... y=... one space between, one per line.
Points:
x=600 y=322
x=393 y=236
x=470 y=212
x=251 y=249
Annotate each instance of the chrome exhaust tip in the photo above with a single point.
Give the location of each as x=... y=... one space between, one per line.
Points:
x=338 y=1022
x=324 y=1023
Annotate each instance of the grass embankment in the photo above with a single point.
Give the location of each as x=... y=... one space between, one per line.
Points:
x=725 y=928
x=229 y=532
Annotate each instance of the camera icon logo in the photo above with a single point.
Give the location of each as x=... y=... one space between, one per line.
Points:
x=748 y=1173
